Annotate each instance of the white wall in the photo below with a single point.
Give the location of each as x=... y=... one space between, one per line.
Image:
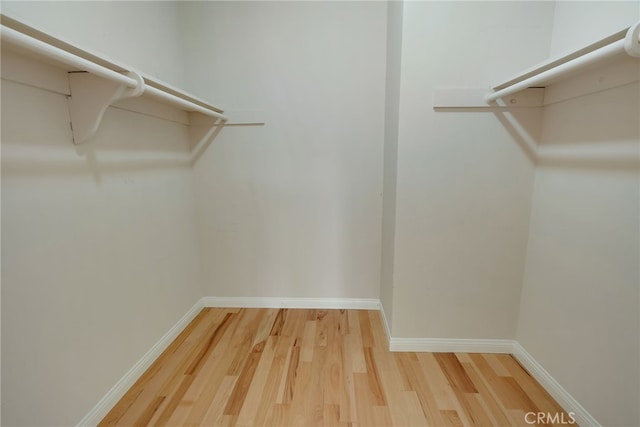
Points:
x=390 y=166
x=464 y=178
x=100 y=253
x=142 y=34
x=579 y=23
x=580 y=315
x=291 y=208
x=294 y=208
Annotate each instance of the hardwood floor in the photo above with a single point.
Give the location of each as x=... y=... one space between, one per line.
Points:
x=273 y=367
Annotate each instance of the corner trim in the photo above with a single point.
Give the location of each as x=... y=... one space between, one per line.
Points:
x=385 y=323
x=553 y=387
x=275 y=302
x=109 y=400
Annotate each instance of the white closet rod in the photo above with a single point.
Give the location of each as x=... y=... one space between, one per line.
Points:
x=29 y=43
x=187 y=105
x=34 y=45
x=630 y=44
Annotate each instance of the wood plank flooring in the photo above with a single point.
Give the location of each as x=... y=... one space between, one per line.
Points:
x=286 y=367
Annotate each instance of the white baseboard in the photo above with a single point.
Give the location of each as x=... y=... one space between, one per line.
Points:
x=275 y=302
x=553 y=387
x=445 y=345
x=451 y=345
x=112 y=397
x=448 y=345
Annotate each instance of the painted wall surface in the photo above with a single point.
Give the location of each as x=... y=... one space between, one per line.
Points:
x=100 y=253
x=390 y=166
x=291 y=208
x=141 y=34
x=580 y=310
x=294 y=208
x=579 y=23
x=465 y=177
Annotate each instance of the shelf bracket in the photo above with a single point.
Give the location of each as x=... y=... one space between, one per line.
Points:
x=90 y=98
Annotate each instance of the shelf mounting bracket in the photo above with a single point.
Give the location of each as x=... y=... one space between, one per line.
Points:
x=90 y=98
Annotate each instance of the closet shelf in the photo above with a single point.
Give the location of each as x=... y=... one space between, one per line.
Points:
x=527 y=89
x=96 y=82
x=626 y=41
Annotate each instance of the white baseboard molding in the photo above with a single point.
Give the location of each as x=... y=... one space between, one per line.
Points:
x=275 y=302
x=112 y=397
x=553 y=387
x=444 y=345
x=451 y=345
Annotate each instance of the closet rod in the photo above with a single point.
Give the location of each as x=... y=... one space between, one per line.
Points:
x=187 y=105
x=37 y=46
x=630 y=44
x=34 y=45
